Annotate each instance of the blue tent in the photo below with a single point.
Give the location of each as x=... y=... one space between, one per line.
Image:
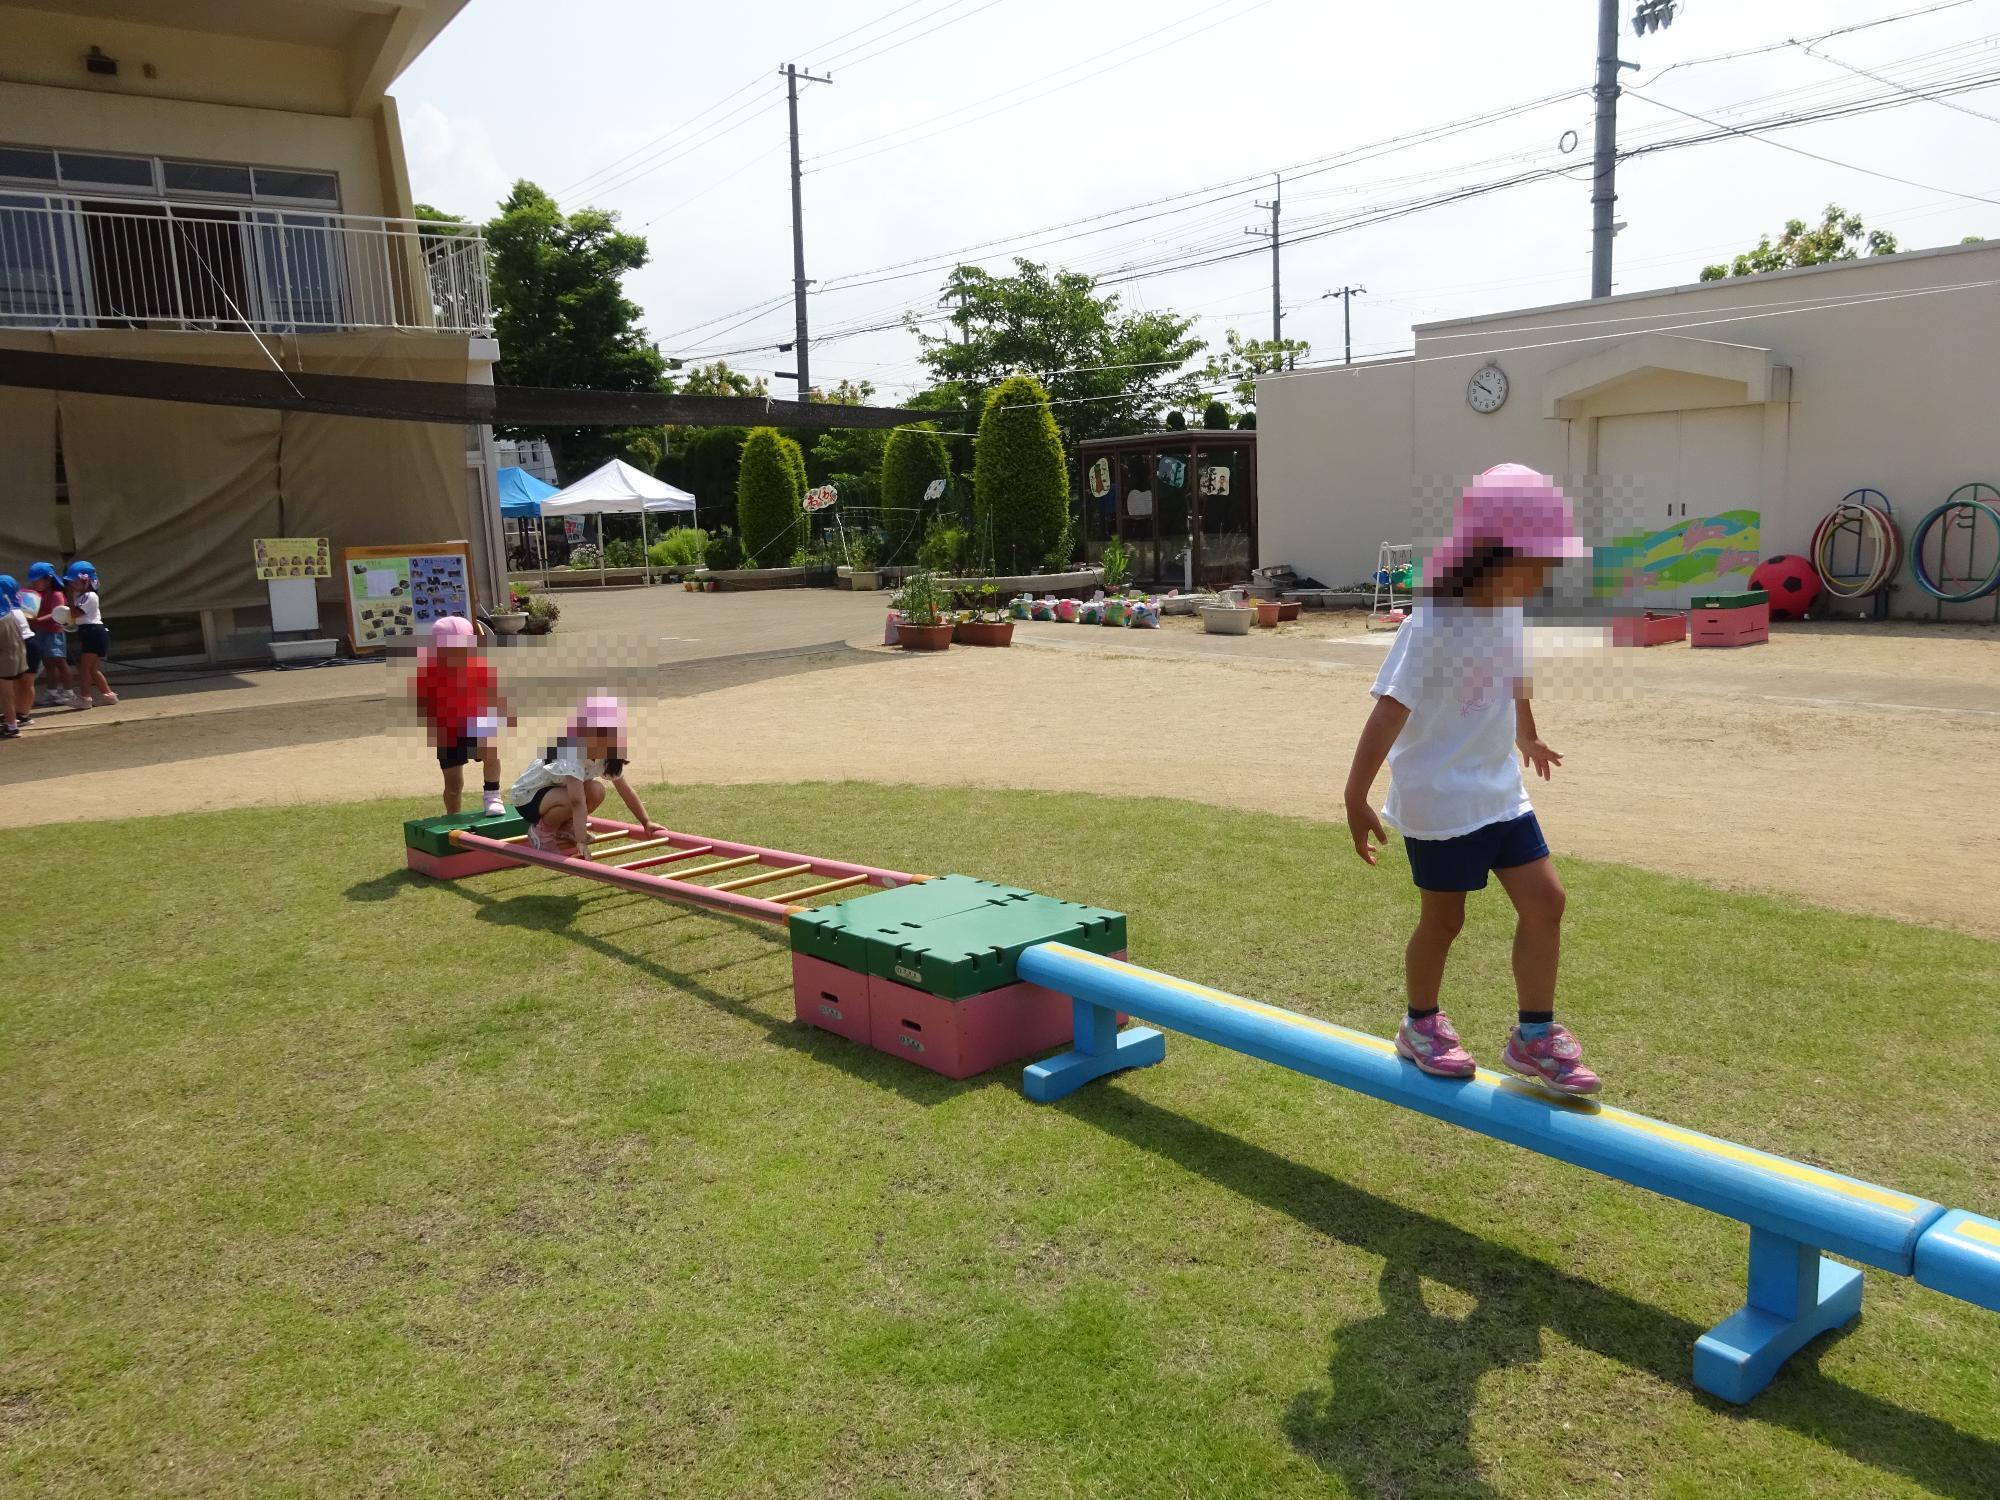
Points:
x=521 y=494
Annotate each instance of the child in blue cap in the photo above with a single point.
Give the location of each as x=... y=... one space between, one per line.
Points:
x=93 y=640
x=17 y=684
x=48 y=650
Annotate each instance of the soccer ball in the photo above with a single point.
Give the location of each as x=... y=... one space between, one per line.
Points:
x=1792 y=582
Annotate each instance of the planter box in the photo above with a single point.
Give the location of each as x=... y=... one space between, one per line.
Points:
x=923 y=637
x=590 y=578
x=1081 y=581
x=318 y=649
x=1267 y=613
x=1649 y=629
x=986 y=633
x=1288 y=609
x=510 y=623
x=1747 y=626
x=1227 y=619
x=862 y=580
x=740 y=579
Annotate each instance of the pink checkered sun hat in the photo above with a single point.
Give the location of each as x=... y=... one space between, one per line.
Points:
x=453 y=630
x=599 y=712
x=1511 y=506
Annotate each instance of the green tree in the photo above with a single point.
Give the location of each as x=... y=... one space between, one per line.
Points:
x=719 y=380
x=703 y=461
x=561 y=316
x=1215 y=417
x=1839 y=235
x=849 y=458
x=1106 y=371
x=912 y=460
x=1020 y=481
x=768 y=513
x=1243 y=360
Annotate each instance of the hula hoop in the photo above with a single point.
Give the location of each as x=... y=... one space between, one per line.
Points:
x=1974 y=507
x=1866 y=518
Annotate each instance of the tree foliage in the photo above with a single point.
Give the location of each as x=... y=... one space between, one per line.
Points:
x=769 y=491
x=1839 y=235
x=718 y=380
x=912 y=459
x=849 y=458
x=1242 y=360
x=1020 y=481
x=1215 y=417
x=1107 y=371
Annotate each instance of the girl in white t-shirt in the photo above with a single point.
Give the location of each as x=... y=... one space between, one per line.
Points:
x=1451 y=710
x=558 y=792
x=93 y=638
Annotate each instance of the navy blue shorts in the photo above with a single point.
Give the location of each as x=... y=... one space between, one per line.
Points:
x=1463 y=863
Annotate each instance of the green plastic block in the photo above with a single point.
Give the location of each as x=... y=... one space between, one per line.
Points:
x=842 y=933
x=433 y=835
x=1729 y=601
x=970 y=952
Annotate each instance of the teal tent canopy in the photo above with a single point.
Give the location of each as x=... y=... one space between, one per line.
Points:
x=521 y=494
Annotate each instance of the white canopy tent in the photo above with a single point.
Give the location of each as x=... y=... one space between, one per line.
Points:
x=618 y=489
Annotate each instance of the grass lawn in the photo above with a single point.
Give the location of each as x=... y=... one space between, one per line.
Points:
x=317 y=1178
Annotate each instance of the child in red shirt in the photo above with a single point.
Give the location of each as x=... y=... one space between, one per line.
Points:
x=462 y=707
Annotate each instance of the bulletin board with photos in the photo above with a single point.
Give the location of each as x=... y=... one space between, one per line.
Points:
x=395 y=594
x=292 y=557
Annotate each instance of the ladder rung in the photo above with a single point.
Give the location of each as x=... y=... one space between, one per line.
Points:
x=820 y=890
x=721 y=864
x=667 y=859
x=760 y=878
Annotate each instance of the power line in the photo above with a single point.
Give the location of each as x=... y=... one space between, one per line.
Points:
x=1863 y=72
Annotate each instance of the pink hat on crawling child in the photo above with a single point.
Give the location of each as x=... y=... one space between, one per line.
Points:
x=453 y=630
x=600 y=713
x=1514 y=507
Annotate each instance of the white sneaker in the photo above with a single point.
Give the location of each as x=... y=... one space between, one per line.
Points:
x=494 y=806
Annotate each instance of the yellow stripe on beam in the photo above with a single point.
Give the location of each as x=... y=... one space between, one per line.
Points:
x=1797 y=1171
x=1986 y=1234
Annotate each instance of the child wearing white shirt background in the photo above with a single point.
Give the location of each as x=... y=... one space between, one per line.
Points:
x=1451 y=710
x=93 y=639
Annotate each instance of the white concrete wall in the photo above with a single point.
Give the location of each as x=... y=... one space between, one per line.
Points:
x=1898 y=394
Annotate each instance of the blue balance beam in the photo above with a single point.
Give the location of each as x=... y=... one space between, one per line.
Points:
x=1794 y=1211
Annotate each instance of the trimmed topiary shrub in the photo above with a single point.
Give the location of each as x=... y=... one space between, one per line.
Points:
x=770 y=514
x=1020 y=480
x=1247 y=422
x=913 y=459
x=795 y=456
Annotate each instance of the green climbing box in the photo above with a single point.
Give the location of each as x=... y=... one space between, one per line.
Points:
x=843 y=933
x=971 y=952
x=433 y=835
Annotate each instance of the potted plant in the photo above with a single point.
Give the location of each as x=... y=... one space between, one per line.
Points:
x=864 y=556
x=513 y=619
x=1224 y=616
x=921 y=604
x=1117 y=565
x=543 y=612
x=989 y=625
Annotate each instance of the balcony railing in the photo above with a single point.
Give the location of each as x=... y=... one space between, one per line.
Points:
x=70 y=263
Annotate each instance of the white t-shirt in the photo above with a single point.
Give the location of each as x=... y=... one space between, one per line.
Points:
x=19 y=617
x=1453 y=770
x=85 y=611
x=565 y=762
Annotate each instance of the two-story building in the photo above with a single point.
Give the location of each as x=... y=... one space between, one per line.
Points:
x=222 y=182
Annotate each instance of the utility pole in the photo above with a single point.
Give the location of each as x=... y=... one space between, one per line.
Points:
x=1650 y=15
x=1277 y=307
x=799 y=282
x=1347 y=294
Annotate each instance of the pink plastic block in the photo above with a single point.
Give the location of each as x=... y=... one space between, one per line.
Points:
x=1649 y=629
x=1748 y=625
x=960 y=1038
x=455 y=866
x=831 y=998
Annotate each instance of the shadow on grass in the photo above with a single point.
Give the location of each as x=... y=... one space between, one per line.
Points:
x=1395 y=1416
x=558 y=913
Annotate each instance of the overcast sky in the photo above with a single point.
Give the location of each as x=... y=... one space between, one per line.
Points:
x=981 y=119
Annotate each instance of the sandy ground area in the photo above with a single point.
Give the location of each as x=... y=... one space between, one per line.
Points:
x=1851 y=766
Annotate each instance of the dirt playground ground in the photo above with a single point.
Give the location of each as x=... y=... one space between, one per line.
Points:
x=1851 y=766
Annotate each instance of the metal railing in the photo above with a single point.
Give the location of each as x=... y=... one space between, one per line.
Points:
x=70 y=263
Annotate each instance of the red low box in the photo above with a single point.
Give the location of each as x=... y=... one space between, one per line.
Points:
x=1648 y=629
x=455 y=866
x=1746 y=626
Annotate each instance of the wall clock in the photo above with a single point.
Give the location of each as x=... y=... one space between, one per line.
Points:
x=1486 y=392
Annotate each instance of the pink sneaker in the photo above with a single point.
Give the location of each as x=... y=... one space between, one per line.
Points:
x=1554 y=1060
x=548 y=841
x=1434 y=1047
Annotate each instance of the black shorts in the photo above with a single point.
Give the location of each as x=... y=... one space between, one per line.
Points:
x=34 y=650
x=460 y=752
x=531 y=810
x=94 y=640
x=1463 y=863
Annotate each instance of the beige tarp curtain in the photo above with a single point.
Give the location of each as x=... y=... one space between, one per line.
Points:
x=166 y=497
x=27 y=470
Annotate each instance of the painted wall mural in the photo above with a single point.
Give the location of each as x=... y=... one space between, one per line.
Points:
x=1702 y=550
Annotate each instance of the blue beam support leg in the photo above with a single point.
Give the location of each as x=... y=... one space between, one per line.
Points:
x=1796 y=1294
x=1100 y=1048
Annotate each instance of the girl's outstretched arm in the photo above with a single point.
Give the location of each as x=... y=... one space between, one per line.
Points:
x=1377 y=736
x=638 y=808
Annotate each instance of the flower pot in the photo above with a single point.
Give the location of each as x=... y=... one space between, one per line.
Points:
x=1227 y=619
x=864 y=580
x=1267 y=614
x=924 y=637
x=510 y=623
x=986 y=633
x=538 y=625
x=1288 y=609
